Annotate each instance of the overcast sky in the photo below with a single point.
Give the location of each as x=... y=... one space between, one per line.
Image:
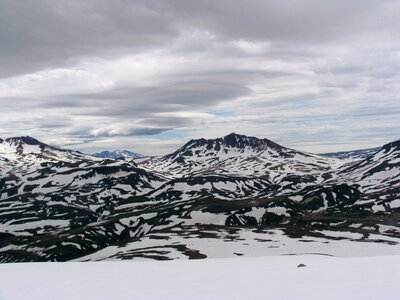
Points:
x=149 y=75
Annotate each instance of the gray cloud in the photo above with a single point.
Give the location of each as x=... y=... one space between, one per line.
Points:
x=98 y=74
x=181 y=96
x=305 y=21
x=42 y=34
x=46 y=33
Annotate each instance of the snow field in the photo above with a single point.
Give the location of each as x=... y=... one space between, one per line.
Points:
x=230 y=278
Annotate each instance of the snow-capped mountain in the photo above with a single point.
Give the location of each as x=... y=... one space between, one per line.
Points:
x=28 y=149
x=44 y=188
x=19 y=155
x=377 y=172
x=61 y=205
x=237 y=154
x=354 y=154
x=36 y=167
x=118 y=154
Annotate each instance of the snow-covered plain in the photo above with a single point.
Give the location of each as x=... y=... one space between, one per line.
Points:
x=229 y=278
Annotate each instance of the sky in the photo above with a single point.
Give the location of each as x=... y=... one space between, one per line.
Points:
x=148 y=76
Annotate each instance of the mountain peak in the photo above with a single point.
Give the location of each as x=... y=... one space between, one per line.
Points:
x=240 y=141
x=24 y=139
x=26 y=144
x=117 y=154
x=230 y=141
x=233 y=134
x=232 y=137
x=395 y=144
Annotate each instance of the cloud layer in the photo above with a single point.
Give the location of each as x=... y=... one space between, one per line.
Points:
x=148 y=75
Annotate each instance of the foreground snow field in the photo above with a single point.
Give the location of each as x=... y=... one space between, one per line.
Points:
x=276 y=277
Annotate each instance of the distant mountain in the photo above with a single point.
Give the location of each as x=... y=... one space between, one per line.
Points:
x=237 y=154
x=44 y=189
x=28 y=165
x=378 y=172
x=354 y=154
x=59 y=205
x=28 y=152
x=118 y=154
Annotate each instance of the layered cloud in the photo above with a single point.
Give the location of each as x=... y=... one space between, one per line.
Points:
x=148 y=75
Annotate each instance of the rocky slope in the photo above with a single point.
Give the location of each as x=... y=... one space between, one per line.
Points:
x=60 y=205
x=43 y=188
x=237 y=154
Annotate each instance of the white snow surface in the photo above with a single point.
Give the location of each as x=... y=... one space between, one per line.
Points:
x=229 y=278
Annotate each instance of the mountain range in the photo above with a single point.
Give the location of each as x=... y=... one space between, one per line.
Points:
x=354 y=154
x=60 y=205
x=118 y=154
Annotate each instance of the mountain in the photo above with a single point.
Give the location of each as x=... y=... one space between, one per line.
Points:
x=354 y=154
x=118 y=154
x=236 y=160
x=19 y=155
x=378 y=172
x=30 y=166
x=60 y=205
x=45 y=190
x=237 y=154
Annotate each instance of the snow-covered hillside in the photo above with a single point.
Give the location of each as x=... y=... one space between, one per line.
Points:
x=61 y=205
x=237 y=154
x=378 y=172
x=44 y=189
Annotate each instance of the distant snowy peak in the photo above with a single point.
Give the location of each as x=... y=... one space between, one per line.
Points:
x=23 y=145
x=354 y=154
x=227 y=145
x=118 y=154
x=237 y=154
x=19 y=142
x=29 y=145
x=232 y=140
x=29 y=151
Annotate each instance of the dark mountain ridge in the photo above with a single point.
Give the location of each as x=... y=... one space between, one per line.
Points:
x=232 y=140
